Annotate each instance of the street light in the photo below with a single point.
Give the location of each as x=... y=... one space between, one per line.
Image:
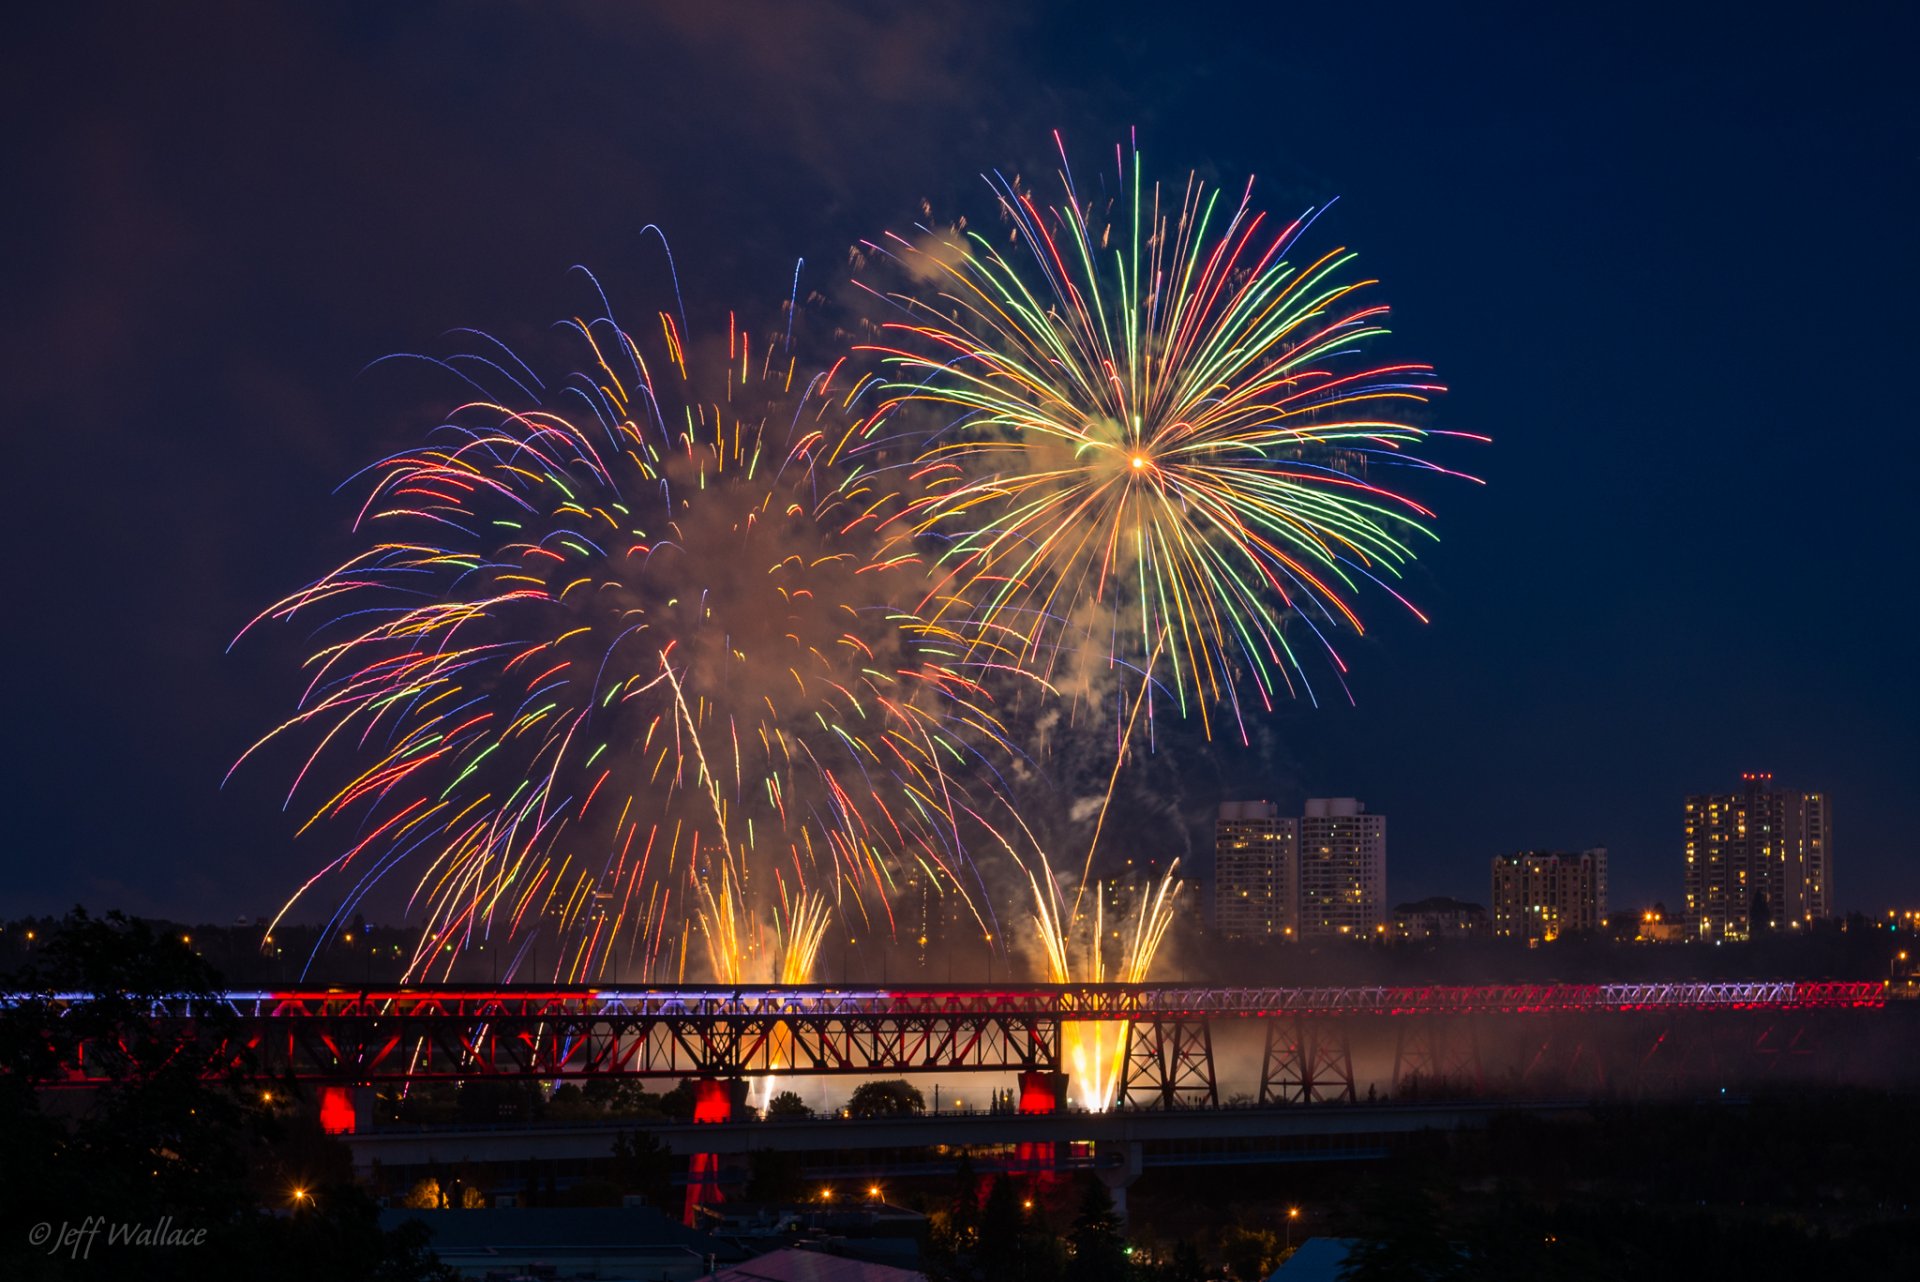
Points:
x=1293 y=1213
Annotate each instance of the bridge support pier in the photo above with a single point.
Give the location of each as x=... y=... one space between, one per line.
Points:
x=348 y=1110
x=717 y=1101
x=1306 y=1061
x=1041 y=1092
x=1437 y=1057
x=1119 y=1165
x=1169 y=1062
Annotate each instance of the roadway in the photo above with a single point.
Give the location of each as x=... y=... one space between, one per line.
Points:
x=1162 y=1136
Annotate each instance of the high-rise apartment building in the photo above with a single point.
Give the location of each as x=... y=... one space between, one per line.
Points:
x=1544 y=894
x=1758 y=858
x=1343 y=869
x=1255 y=871
x=1817 y=837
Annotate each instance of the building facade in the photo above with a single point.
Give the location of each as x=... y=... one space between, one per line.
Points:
x=1540 y=895
x=1757 y=859
x=1817 y=835
x=1256 y=855
x=1439 y=917
x=1343 y=870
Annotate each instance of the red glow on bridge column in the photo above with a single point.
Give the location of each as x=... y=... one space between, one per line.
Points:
x=712 y=1103
x=1040 y=1091
x=336 y=1110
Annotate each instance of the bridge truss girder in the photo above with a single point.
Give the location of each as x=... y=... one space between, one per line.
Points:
x=1306 y=1061
x=563 y=1047
x=1169 y=1064
x=1608 y=1037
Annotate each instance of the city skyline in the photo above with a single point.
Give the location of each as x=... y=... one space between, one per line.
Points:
x=201 y=308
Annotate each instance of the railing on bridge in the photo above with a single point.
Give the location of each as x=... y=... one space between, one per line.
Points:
x=1078 y=1002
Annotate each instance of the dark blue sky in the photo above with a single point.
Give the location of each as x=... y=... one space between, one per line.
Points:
x=1666 y=260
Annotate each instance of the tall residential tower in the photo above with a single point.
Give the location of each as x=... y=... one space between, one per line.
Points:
x=1757 y=859
x=1343 y=869
x=1255 y=871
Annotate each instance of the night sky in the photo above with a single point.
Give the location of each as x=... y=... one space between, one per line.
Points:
x=1667 y=262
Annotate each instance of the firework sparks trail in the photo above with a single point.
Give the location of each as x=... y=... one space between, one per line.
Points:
x=1076 y=949
x=1147 y=420
x=620 y=658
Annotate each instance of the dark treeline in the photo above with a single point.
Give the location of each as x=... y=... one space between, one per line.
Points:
x=1806 y=1185
x=352 y=952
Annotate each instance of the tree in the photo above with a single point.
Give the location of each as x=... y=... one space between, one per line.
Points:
x=632 y=1099
x=569 y=1103
x=425 y=1195
x=643 y=1165
x=498 y=1101
x=1185 y=1265
x=1098 y=1252
x=787 y=1104
x=1405 y=1242
x=335 y=1234
x=893 y=1097
x=1251 y=1254
x=963 y=1211
x=774 y=1175
x=678 y=1102
x=953 y=1231
x=1002 y=1226
x=1012 y=1247
x=1762 y=915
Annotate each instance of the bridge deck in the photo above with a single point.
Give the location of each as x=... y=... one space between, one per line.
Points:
x=1163 y=1036
x=1077 y=1002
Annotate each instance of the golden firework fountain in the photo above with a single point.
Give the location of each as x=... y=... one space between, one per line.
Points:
x=1076 y=948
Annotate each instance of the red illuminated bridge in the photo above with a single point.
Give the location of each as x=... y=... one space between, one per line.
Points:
x=1464 y=1035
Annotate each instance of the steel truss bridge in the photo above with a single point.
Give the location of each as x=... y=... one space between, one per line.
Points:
x=1462 y=1038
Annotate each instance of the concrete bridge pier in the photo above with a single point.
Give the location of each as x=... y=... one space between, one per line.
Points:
x=1042 y=1092
x=1119 y=1163
x=716 y=1101
x=349 y=1110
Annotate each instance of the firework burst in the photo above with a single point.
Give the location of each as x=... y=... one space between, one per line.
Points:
x=618 y=662
x=1155 y=440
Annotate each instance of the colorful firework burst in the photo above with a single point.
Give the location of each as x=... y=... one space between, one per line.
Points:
x=619 y=662
x=1156 y=441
